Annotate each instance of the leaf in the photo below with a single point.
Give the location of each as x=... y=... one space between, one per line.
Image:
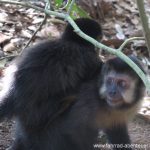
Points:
x=4 y=38
x=120 y=34
x=58 y=3
x=9 y=47
x=77 y=11
x=82 y=12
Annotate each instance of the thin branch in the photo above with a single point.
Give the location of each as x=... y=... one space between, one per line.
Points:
x=8 y=57
x=70 y=7
x=39 y=28
x=91 y=40
x=25 y=4
x=57 y=21
x=28 y=5
x=129 y=40
x=65 y=5
x=49 y=4
x=144 y=20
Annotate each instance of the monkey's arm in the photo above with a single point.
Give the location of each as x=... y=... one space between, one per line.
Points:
x=119 y=135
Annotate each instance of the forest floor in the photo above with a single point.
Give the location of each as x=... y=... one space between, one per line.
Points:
x=119 y=19
x=139 y=130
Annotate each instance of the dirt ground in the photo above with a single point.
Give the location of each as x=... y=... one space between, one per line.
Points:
x=139 y=130
x=5 y=134
x=140 y=133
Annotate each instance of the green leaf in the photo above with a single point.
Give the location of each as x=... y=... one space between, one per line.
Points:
x=58 y=3
x=82 y=12
x=77 y=12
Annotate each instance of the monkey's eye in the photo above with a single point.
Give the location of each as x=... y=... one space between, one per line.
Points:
x=122 y=83
x=109 y=80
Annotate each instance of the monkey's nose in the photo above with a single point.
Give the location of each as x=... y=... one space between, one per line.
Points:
x=113 y=93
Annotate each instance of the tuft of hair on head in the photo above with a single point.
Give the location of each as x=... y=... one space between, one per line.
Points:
x=88 y=26
x=120 y=66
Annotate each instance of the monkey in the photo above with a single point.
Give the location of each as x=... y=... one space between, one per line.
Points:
x=40 y=83
x=59 y=104
x=107 y=103
x=123 y=91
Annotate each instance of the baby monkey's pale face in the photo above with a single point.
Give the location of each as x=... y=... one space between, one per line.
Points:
x=118 y=89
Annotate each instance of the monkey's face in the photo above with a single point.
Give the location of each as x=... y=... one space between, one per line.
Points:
x=118 y=89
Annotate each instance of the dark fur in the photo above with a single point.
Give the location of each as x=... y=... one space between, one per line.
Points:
x=47 y=74
x=77 y=128
x=91 y=112
x=51 y=76
x=116 y=126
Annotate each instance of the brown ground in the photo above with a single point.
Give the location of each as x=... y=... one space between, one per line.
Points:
x=138 y=128
x=5 y=134
x=140 y=132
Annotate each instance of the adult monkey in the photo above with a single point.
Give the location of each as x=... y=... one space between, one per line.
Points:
x=105 y=103
x=44 y=77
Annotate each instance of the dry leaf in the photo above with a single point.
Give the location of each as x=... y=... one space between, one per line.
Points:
x=4 y=38
x=113 y=42
x=9 y=47
x=26 y=34
x=120 y=34
x=50 y=31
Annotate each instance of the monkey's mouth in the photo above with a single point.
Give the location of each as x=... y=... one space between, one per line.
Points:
x=114 y=102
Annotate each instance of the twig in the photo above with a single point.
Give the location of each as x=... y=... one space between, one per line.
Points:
x=12 y=56
x=57 y=21
x=129 y=40
x=65 y=5
x=70 y=7
x=144 y=20
x=28 y=5
x=49 y=4
x=39 y=28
